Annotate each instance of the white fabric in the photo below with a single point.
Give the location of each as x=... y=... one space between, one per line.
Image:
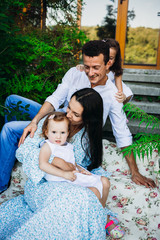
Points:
x=126 y=90
x=66 y=153
x=75 y=80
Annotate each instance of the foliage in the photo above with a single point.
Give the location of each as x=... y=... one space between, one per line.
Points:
x=142 y=44
x=91 y=32
x=107 y=30
x=136 y=113
x=32 y=61
x=144 y=143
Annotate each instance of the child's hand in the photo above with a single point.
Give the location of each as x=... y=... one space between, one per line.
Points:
x=70 y=175
x=80 y=67
x=120 y=97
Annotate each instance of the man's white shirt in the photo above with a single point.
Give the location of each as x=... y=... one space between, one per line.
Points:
x=75 y=80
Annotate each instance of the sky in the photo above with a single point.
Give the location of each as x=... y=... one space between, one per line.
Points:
x=94 y=11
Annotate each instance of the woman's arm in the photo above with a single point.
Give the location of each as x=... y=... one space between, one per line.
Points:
x=62 y=164
x=32 y=127
x=83 y=170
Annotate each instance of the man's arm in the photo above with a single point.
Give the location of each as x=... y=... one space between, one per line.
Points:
x=124 y=139
x=136 y=176
x=32 y=127
x=52 y=102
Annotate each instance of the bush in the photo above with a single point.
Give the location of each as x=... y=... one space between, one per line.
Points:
x=32 y=61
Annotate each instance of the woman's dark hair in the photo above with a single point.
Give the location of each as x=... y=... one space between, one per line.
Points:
x=92 y=117
x=117 y=66
x=95 y=48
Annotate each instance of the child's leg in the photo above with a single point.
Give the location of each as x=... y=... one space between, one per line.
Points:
x=96 y=192
x=106 y=187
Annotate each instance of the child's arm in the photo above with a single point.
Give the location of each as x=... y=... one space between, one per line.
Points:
x=120 y=96
x=45 y=166
x=80 y=67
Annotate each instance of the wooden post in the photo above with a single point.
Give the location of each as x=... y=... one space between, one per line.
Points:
x=43 y=14
x=79 y=12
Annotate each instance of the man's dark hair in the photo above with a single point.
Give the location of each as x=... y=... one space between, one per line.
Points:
x=95 y=48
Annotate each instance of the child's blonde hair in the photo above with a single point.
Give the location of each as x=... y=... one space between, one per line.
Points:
x=55 y=116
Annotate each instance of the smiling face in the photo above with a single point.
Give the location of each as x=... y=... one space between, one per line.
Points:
x=95 y=69
x=57 y=131
x=74 y=112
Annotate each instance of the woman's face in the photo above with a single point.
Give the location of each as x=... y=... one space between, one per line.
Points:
x=74 y=112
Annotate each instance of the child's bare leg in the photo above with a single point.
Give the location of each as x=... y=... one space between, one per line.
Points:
x=95 y=191
x=106 y=187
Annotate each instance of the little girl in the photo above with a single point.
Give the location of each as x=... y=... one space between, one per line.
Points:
x=57 y=152
x=56 y=158
x=115 y=72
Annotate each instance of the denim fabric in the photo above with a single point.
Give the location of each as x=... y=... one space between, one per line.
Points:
x=10 y=135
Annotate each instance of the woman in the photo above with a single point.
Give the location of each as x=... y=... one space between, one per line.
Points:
x=59 y=210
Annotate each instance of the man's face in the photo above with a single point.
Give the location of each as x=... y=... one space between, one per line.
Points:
x=95 y=69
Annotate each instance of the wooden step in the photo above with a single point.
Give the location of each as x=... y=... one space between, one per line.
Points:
x=134 y=127
x=148 y=107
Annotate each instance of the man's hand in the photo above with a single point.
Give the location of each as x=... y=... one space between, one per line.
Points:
x=70 y=175
x=136 y=176
x=31 y=128
x=141 y=180
x=120 y=97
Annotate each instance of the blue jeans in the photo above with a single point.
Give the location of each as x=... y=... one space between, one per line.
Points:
x=10 y=135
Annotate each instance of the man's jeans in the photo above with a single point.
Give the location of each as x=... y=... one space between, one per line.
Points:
x=10 y=135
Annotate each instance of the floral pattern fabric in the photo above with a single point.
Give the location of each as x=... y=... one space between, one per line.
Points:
x=47 y=209
x=137 y=206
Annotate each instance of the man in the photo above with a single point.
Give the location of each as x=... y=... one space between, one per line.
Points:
x=96 y=63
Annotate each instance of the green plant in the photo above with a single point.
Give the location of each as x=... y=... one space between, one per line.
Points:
x=32 y=61
x=144 y=143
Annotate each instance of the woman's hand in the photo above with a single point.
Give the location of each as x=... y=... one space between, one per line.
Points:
x=83 y=171
x=70 y=175
x=62 y=164
x=71 y=166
